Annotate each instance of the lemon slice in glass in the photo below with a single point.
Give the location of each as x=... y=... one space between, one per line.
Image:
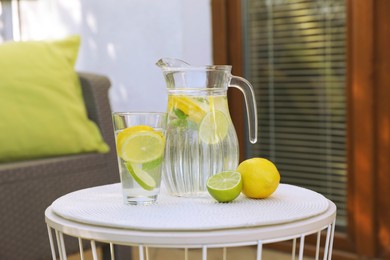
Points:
x=214 y=127
x=125 y=133
x=142 y=146
x=225 y=186
x=141 y=177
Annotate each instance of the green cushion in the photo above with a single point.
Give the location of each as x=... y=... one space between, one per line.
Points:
x=42 y=112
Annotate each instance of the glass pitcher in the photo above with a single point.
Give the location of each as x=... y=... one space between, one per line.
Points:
x=200 y=137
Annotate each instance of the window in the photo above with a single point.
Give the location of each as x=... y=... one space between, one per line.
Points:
x=295 y=57
x=367 y=107
x=9 y=20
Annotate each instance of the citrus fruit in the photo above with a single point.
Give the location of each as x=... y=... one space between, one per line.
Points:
x=260 y=177
x=141 y=177
x=122 y=135
x=188 y=106
x=225 y=186
x=152 y=164
x=142 y=146
x=214 y=127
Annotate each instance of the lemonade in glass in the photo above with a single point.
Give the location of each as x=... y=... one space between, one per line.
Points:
x=140 y=143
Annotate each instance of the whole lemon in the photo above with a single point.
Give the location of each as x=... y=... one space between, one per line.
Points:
x=260 y=177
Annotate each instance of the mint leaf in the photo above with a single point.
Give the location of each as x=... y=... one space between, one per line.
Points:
x=180 y=114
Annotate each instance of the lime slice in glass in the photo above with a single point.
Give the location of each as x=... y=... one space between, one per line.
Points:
x=214 y=127
x=143 y=146
x=152 y=164
x=225 y=186
x=141 y=177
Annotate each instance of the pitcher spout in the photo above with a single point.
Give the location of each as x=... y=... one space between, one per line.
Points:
x=169 y=63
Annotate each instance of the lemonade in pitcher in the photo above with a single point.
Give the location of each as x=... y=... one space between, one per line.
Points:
x=200 y=137
x=201 y=141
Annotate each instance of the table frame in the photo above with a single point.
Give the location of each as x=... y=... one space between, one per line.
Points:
x=202 y=239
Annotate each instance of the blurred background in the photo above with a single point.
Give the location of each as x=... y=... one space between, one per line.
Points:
x=320 y=70
x=120 y=39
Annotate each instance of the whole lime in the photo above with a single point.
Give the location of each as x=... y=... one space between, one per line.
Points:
x=260 y=177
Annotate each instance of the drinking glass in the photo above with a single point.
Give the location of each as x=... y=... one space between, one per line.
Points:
x=140 y=145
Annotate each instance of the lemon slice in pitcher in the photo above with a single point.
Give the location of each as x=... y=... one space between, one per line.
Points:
x=214 y=127
x=189 y=106
x=143 y=146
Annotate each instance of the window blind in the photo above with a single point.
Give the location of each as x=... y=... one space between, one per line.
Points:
x=295 y=58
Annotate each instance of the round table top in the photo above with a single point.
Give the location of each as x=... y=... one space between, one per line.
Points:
x=99 y=213
x=104 y=206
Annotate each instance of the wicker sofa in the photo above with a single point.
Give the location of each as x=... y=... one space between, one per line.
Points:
x=27 y=188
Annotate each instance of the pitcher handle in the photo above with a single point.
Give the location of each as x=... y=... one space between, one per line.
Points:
x=246 y=88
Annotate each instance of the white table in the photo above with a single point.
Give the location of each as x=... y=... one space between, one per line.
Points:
x=98 y=215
